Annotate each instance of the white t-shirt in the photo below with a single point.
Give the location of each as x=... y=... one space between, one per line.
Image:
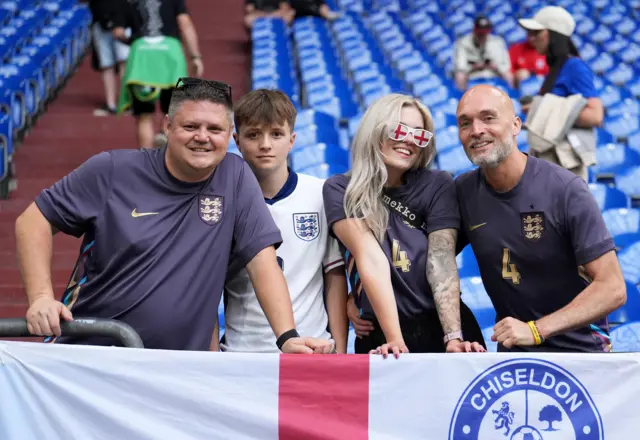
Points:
x=307 y=252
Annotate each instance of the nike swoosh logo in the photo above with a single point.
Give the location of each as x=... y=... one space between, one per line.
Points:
x=141 y=214
x=474 y=227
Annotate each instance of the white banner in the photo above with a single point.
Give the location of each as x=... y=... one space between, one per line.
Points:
x=74 y=392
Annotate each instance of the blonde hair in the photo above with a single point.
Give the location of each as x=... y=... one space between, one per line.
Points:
x=368 y=174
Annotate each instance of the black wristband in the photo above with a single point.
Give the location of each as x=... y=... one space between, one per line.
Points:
x=293 y=333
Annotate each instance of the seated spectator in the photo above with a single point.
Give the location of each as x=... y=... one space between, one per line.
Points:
x=526 y=61
x=551 y=29
x=255 y=9
x=313 y=8
x=481 y=55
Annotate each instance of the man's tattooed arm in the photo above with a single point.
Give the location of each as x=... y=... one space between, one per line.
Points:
x=442 y=275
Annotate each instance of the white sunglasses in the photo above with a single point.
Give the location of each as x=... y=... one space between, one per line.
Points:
x=421 y=137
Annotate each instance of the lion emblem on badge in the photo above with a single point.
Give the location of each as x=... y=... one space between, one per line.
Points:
x=532 y=225
x=210 y=209
x=306 y=225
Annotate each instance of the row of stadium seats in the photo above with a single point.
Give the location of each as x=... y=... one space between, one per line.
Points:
x=273 y=66
x=41 y=44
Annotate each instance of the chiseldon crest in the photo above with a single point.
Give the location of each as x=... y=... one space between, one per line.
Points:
x=306 y=225
x=210 y=208
x=526 y=399
x=532 y=225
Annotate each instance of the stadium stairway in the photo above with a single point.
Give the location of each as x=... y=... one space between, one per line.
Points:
x=68 y=134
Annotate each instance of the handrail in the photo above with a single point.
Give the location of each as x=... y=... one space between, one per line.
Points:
x=83 y=327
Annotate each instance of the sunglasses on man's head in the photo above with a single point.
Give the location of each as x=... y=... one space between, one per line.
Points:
x=191 y=82
x=421 y=137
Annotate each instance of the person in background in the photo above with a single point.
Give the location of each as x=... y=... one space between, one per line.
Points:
x=481 y=55
x=546 y=258
x=160 y=28
x=397 y=222
x=526 y=61
x=550 y=30
x=255 y=9
x=109 y=54
x=309 y=256
x=313 y=8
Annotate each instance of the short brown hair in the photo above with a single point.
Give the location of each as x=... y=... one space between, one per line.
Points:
x=264 y=107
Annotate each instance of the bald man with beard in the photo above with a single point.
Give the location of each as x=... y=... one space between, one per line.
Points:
x=546 y=258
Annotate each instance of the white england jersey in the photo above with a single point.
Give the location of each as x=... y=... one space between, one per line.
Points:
x=307 y=252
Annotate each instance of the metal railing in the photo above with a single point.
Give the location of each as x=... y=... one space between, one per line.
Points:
x=85 y=327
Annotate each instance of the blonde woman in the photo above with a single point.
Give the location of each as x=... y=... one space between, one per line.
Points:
x=397 y=224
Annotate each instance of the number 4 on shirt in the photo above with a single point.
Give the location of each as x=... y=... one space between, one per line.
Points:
x=509 y=270
x=399 y=257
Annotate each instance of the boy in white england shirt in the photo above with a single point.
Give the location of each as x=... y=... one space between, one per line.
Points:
x=309 y=256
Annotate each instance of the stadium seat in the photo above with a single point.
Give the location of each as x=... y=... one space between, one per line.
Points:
x=467 y=263
x=629 y=259
x=273 y=65
x=626 y=338
x=630 y=312
x=475 y=297
x=313 y=155
x=621 y=126
x=615 y=158
x=447 y=138
x=608 y=197
x=454 y=160
x=629 y=183
x=623 y=224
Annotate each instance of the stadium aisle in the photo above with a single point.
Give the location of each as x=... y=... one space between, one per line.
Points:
x=68 y=134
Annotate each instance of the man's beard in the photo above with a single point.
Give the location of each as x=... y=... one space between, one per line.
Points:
x=501 y=150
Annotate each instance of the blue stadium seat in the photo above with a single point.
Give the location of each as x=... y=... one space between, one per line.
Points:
x=233 y=147
x=324 y=170
x=273 y=65
x=621 y=126
x=447 y=139
x=454 y=161
x=630 y=312
x=531 y=86
x=629 y=259
x=626 y=338
x=608 y=197
x=467 y=263
x=13 y=86
x=629 y=182
x=622 y=222
x=627 y=106
x=314 y=134
x=610 y=95
x=312 y=155
x=615 y=158
x=475 y=297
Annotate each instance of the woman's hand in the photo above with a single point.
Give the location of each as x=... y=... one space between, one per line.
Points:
x=395 y=347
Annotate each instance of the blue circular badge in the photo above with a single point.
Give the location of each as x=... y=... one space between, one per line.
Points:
x=526 y=399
